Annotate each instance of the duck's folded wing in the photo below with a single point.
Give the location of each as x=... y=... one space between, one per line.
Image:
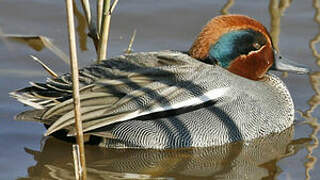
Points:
x=120 y=68
x=163 y=94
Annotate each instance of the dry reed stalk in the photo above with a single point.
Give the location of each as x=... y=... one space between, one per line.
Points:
x=114 y=4
x=105 y=27
x=129 y=50
x=87 y=11
x=92 y=29
x=226 y=7
x=75 y=86
x=50 y=71
x=100 y=4
x=76 y=160
x=99 y=15
x=37 y=43
x=2 y=36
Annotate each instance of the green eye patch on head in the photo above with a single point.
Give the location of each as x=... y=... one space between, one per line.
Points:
x=235 y=43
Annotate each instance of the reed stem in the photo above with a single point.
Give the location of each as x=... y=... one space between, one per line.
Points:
x=50 y=71
x=91 y=27
x=99 y=15
x=75 y=86
x=129 y=50
x=87 y=11
x=104 y=36
x=76 y=161
x=115 y=2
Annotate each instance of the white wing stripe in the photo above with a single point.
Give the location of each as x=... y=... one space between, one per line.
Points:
x=210 y=95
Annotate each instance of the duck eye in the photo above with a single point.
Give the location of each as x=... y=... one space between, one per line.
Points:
x=256 y=45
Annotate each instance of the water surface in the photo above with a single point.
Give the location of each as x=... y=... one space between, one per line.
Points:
x=165 y=24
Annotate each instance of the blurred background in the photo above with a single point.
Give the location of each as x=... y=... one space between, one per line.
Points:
x=159 y=25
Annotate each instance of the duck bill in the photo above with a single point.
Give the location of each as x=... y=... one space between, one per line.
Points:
x=286 y=65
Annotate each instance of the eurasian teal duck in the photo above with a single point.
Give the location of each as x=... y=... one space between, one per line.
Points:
x=218 y=92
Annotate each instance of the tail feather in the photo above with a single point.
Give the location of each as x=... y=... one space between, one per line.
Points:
x=39 y=95
x=31 y=115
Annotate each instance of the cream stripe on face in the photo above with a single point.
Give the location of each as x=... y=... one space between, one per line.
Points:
x=257 y=51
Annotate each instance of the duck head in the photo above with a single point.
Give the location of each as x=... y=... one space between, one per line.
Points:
x=242 y=45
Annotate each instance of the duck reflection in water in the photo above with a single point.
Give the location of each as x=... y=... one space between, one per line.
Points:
x=241 y=160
